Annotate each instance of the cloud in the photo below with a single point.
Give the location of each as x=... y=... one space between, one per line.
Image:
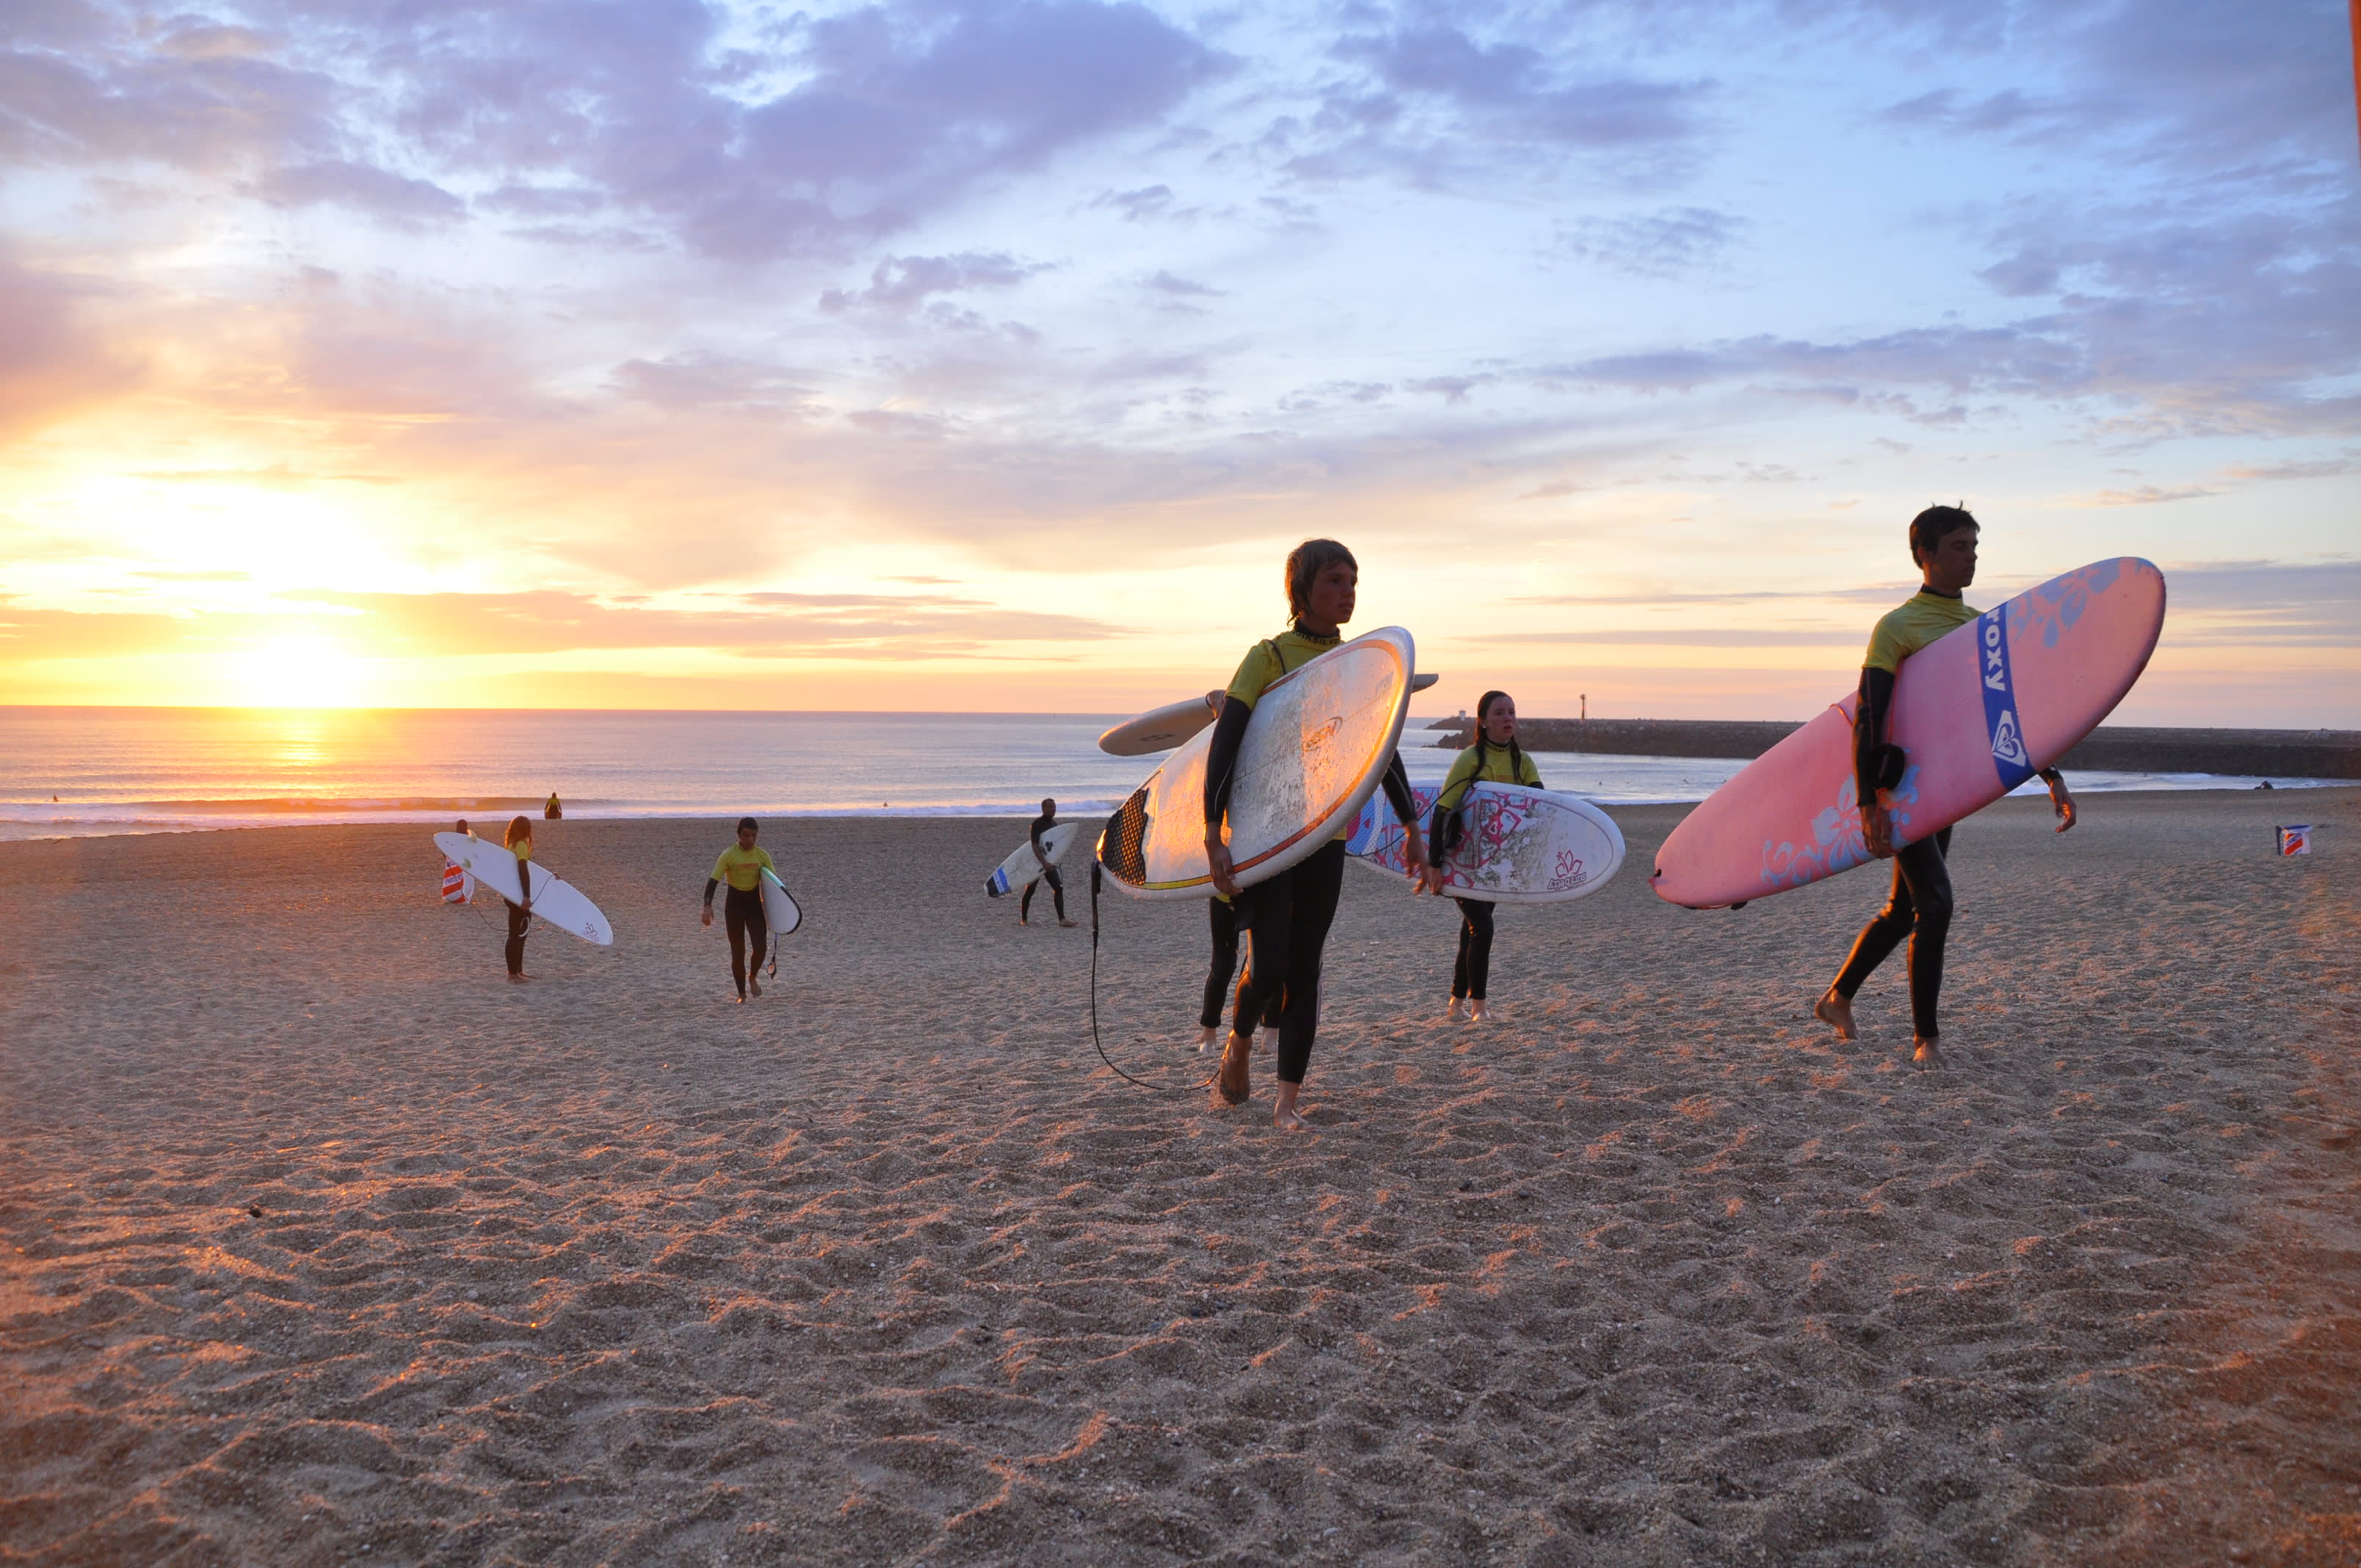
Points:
x=53 y=363
x=1164 y=282
x=1680 y=637
x=714 y=380
x=1511 y=92
x=901 y=284
x=1147 y=204
x=102 y=92
x=764 y=625
x=391 y=198
x=1450 y=388
x=767 y=625
x=2236 y=603
x=278 y=476
x=1670 y=243
x=2147 y=495
x=894 y=110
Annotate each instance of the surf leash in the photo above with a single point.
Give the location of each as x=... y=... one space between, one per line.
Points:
x=1096 y=872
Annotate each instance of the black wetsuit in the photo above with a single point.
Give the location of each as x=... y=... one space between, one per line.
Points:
x=1041 y=825
x=519 y=921
x=1919 y=906
x=1221 y=915
x=1288 y=916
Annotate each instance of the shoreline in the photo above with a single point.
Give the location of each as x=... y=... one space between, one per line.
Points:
x=26 y=830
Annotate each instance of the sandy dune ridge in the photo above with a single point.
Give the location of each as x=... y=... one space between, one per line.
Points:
x=321 y=1243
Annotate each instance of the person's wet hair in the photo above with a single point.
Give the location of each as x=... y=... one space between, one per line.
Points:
x=1304 y=565
x=747 y=824
x=1928 y=529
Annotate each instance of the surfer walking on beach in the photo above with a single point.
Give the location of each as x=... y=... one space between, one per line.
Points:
x=519 y=842
x=1496 y=758
x=1042 y=823
x=1943 y=546
x=741 y=866
x=1286 y=917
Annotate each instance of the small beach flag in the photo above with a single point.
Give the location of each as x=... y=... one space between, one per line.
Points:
x=454 y=883
x=2296 y=840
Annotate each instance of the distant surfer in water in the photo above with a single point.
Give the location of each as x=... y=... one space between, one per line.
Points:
x=1042 y=823
x=519 y=842
x=1288 y=916
x=741 y=866
x=1497 y=758
x=1943 y=546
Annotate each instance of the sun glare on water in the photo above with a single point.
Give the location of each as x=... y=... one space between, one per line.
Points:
x=301 y=672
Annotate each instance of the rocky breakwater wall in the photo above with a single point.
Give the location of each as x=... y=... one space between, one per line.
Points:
x=2265 y=753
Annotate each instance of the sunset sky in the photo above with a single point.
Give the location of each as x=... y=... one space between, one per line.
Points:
x=942 y=354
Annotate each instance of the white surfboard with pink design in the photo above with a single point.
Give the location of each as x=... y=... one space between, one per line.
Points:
x=1976 y=713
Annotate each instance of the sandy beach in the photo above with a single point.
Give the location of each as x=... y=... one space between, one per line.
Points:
x=325 y=1245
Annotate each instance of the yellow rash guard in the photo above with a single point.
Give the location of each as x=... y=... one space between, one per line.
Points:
x=1919 y=620
x=743 y=869
x=1495 y=770
x=1266 y=661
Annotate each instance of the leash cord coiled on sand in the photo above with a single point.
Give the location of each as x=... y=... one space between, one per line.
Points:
x=1096 y=872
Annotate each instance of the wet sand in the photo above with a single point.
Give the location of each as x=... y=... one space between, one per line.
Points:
x=319 y=1243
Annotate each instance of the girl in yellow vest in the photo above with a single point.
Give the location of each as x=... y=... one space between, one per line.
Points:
x=1497 y=758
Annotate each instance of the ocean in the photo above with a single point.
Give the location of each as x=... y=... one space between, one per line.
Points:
x=71 y=772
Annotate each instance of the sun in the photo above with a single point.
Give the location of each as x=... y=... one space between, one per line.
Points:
x=301 y=671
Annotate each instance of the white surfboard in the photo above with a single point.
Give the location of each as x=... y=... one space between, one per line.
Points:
x=1021 y=867
x=1162 y=728
x=559 y=902
x=780 y=911
x=1313 y=752
x=1517 y=844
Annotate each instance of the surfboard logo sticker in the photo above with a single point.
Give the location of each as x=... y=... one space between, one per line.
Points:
x=2000 y=700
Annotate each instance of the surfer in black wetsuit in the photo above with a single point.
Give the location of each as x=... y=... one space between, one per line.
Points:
x=518 y=840
x=740 y=868
x=1943 y=546
x=1042 y=823
x=1288 y=916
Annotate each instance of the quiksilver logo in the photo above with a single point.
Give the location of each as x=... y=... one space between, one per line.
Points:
x=1995 y=670
x=2007 y=744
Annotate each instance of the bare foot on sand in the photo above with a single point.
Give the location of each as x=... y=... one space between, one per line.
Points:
x=1453 y=1013
x=753 y=986
x=1069 y=924
x=1284 y=1115
x=1205 y=1038
x=1233 y=1083
x=1477 y=1011
x=519 y=979
x=1835 y=1012
x=1929 y=1053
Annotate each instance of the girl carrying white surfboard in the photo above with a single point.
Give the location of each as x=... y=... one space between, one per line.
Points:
x=1288 y=916
x=1495 y=757
x=519 y=842
x=1943 y=546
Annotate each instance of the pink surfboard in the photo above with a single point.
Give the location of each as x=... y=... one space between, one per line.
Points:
x=1976 y=713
